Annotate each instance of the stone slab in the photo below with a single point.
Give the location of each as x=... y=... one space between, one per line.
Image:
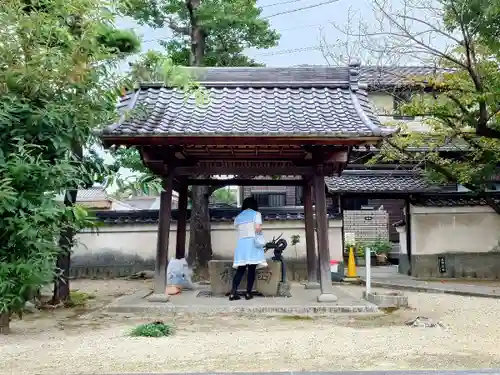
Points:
x=302 y=302
x=387 y=299
x=388 y=277
x=158 y=298
x=312 y=285
x=221 y=274
x=327 y=297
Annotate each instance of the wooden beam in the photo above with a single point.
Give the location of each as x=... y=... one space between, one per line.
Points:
x=243 y=182
x=322 y=234
x=162 y=244
x=257 y=171
x=180 y=249
x=166 y=140
x=312 y=260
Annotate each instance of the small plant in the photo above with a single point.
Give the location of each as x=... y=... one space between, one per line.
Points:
x=78 y=299
x=381 y=246
x=296 y=317
x=155 y=329
x=294 y=240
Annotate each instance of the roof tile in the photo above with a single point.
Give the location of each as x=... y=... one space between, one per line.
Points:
x=380 y=181
x=255 y=101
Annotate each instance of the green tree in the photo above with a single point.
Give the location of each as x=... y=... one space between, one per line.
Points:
x=205 y=33
x=460 y=102
x=118 y=43
x=53 y=94
x=57 y=86
x=225 y=195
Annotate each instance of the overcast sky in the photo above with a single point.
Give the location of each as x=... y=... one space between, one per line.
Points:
x=299 y=29
x=301 y=23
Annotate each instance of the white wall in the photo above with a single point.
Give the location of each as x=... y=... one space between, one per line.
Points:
x=141 y=239
x=437 y=230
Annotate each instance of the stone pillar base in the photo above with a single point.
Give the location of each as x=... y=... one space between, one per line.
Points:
x=312 y=285
x=284 y=289
x=327 y=297
x=157 y=297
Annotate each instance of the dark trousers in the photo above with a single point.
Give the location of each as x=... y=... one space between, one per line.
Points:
x=238 y=276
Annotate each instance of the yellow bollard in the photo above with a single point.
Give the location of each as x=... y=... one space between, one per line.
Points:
x=351 y=268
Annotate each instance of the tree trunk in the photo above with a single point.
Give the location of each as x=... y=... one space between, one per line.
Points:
x=66 y=239
x=63 y=264
x=200 y=241
x=4 y=323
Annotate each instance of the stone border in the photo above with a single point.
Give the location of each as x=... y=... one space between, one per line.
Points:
x=136 y=303
x=244 y=310
x=432 y=289
x=387 y=299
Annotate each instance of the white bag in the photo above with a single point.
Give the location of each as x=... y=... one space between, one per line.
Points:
x=179 y=274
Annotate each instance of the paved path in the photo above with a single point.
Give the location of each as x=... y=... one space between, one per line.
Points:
x=388 y=277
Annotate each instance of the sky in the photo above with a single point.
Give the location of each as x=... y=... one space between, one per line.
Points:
x=300 y=29
x=302 y=25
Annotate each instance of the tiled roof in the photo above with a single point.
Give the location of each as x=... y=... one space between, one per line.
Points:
x=93 y=194
x=379 y=181
x=394 y=76
x=317 y=101
x=216 y=215
x=455 y=200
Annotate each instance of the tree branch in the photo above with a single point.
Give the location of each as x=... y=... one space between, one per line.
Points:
x=449 y=175
x=172 y=25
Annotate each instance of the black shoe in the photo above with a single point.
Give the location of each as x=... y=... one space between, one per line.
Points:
x=234 y=297
x=248 y=296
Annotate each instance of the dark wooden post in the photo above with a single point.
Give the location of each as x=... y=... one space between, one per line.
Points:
x=312 y=262
x=180 y=249
x=162 y=244
x=325 y=278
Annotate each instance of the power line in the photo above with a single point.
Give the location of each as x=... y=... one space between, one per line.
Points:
x=280 y=31
x=302 y=8
x=281 y=3
x=288 y=51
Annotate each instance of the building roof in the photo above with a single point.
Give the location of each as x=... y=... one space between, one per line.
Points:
x=395 y=76
x=380 y=181
x=296 y=101
x=216 y=215
x=453 y=200
x=93 y=194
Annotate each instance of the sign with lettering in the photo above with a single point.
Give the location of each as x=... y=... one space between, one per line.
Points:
x=441 y=265
x=264 y=276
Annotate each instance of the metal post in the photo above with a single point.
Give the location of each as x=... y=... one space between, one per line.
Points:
x=368 y=269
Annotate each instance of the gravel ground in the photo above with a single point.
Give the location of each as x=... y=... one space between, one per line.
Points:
x=91 y=342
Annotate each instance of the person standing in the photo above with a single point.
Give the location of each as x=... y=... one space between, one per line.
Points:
x=249 y=254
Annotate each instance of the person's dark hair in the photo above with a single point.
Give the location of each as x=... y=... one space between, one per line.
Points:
x=249 y=203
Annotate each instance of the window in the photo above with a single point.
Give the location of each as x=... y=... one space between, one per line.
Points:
x=299 y=195
x=354 y=203
x=270 y=199
x=401 y=97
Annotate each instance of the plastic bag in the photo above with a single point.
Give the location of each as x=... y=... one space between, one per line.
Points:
x=179 y=274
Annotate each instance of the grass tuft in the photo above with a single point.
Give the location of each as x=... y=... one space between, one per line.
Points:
x=296 y=317
x=155 y=329
x=78 y=299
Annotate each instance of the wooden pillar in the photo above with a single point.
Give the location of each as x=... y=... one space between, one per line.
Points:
x=312 y=262
x=325 y=278
x=162 y=244
x=180 y=249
